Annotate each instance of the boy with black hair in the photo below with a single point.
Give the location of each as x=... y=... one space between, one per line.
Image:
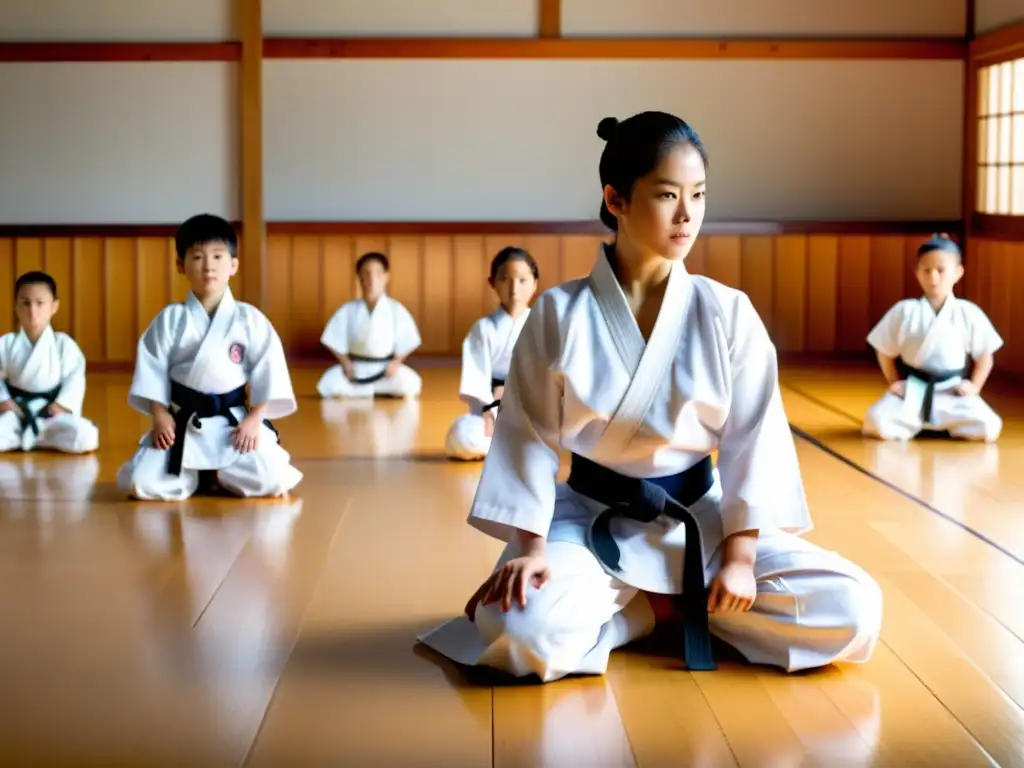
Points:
x=193 y=366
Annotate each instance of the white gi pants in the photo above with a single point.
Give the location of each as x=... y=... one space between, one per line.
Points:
x=405 y=383
x=970 y=418
x=65 y=432
x=265 y=472
x=813 y=608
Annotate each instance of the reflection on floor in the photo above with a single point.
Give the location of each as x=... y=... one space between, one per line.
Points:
x=279 y=632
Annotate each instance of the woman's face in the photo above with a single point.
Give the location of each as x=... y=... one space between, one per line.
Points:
x=666 y=208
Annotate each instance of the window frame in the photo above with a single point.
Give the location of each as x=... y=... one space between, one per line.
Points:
x=987 y=51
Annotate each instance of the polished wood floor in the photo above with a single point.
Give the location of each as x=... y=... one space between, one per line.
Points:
x=267 y=633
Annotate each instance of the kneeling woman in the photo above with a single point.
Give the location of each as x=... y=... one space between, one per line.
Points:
x=642 y=370
x=487 y=351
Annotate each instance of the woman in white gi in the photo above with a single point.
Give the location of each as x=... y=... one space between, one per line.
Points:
x=642 y=370
x=487 y=351
x=923 y=347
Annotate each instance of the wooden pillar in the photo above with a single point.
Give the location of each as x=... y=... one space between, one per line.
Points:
x=249 y=14
x=969 y=183
x=550 y=25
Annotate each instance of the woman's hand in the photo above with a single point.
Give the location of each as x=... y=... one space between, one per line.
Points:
x=509 y=583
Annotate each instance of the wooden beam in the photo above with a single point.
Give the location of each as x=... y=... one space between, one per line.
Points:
x=503 y=48
x=580 y=227
x=52 y=52
x=594 y=227
x=250 y=79
x=970 y=128
x=549 y=18
x=998 y=46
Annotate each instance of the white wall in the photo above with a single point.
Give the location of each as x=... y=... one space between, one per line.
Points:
x=116 y=20
x=993 y=14
x=400 y=18
x=464 y=139
x=662 y=18
x=117 y=142
x=515 y=140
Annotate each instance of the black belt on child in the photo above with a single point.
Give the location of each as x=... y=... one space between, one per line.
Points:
x=929 y=379
x=366 y=359
x=22 y=398
x=644 y=500
x=193 y=406
x=495 y=383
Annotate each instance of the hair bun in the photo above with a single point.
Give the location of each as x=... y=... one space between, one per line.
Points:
x=606 y=128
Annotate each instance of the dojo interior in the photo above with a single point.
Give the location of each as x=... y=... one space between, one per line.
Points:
x=281 y=632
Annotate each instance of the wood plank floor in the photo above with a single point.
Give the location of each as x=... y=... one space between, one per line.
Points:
x=269 y=633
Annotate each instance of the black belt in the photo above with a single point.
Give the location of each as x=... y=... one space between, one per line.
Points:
x=643 y=500
x=366 y=359
x=495 y=383
x=929 y=379
x=23 y=397
x=193 y=406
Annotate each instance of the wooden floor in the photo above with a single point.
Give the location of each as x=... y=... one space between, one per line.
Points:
x=223 y=632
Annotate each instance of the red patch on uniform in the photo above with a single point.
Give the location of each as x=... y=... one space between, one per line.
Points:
x=236 y=352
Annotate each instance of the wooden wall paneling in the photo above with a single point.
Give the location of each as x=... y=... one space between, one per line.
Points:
x=279 y=278
x=886 y=272
x=88 y=298
x=1012 y=354
x=305 y=295
x=119 y=302
x=469 y=283
x=28 y=254
x=789 y=321
x=8 y=275
x=822 y=293
x=817 y=293
x=578 y=255
x=696 y=261
x=336 y=278
x=854 y=283
x=57 y=263
x=437 y=319
x=723 y=259
x=154 y=286
x=757 y=275
x=1000 y=305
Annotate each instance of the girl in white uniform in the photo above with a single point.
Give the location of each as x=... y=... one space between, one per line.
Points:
x=487 y=351
x=642 y=370
x=923 y=346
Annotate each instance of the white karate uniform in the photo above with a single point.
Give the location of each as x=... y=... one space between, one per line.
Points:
x=237 y=346
x=933 y=342
x=486 y=353
x=55 y=360
x=354 y=330
x=583 y=379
